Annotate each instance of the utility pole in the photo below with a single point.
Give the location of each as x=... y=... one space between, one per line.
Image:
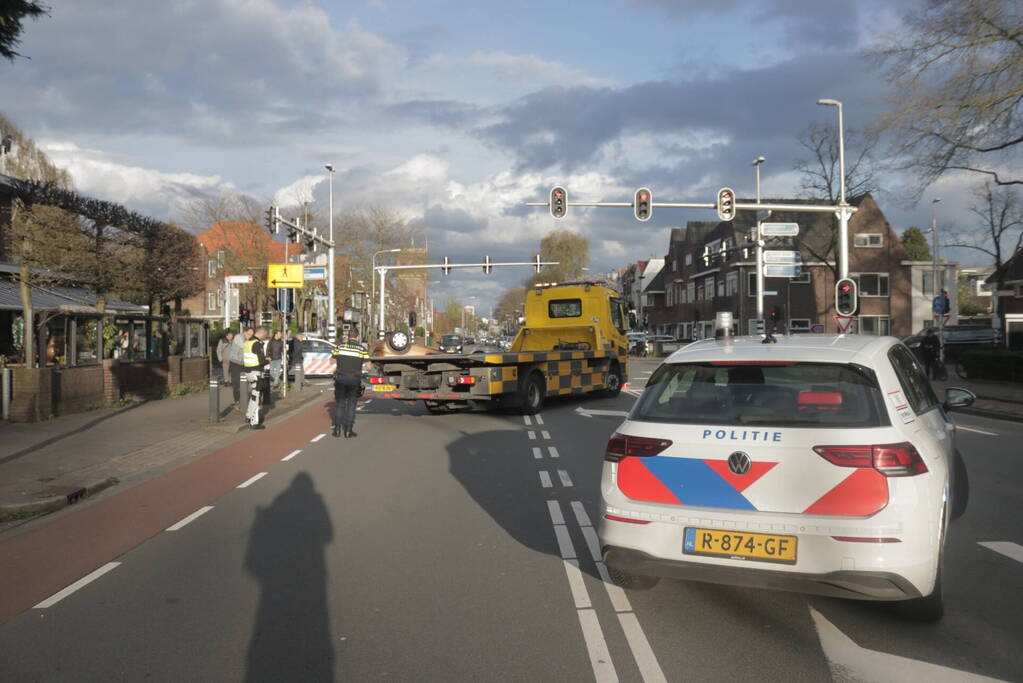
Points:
x=760 y=253
x=935 y=288
x=331 y=311
x=843 y=212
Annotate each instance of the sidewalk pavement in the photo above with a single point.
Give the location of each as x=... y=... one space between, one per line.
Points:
x=999 y=400
x=45 y=466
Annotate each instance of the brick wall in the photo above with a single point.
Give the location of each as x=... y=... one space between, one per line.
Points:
x=78 y=389
x=32 y=398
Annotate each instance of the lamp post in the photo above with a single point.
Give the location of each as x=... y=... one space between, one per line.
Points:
x=843 y=206
x=373 y=283
x=935 y=288
x=759 y=252
x=332 y=312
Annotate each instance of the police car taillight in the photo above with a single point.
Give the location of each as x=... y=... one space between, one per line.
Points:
x=891 y=460
x=621 y=446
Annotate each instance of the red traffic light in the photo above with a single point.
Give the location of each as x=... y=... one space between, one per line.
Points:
x=845 y=287
x=643 y=196
x=558 y=194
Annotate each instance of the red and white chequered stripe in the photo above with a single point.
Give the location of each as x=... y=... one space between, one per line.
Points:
x=318 y=364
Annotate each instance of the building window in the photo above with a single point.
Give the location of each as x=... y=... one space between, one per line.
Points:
x=927 y=283
x=721 y=287
x=799 y=325
x=708 y=287
x=1019 y=290
x=211 y=301
x=874 y=324
x=732 y=284
x=751 y=283
x=868 y=240
x=212 y=267
x=689 y=259
x=220 y=257
x=872 y=284
x=699 y=292
x=691 y=292
x=803 y=279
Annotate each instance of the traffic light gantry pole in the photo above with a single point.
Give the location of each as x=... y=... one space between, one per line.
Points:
x=446 y=268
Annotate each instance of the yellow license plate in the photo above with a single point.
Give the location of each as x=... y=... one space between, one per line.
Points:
x=384 y=387
x=740 y=545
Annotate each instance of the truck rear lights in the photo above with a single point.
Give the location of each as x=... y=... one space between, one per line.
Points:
x=891 y=460
x=465 y=379
x=621 y=446
x=378 y=380
x=627 y=520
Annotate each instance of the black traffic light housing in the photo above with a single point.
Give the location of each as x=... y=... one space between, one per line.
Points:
x=846 y=296
x=726 y=204
x=412 y=320
x=269 y=219
x=643 y=204
x=559 y=201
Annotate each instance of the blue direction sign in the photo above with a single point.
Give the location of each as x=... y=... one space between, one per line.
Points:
x=779 y=270
x=780 y=256
x=315 y=273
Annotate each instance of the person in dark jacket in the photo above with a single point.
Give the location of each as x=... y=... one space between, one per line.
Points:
x=295 y=359
x=275 y=351
x=349 y=357
x=930 y=349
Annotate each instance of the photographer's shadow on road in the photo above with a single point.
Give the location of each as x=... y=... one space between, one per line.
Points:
x=291 y=640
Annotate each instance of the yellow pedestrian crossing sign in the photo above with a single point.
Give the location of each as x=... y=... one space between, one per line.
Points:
x=285 y=275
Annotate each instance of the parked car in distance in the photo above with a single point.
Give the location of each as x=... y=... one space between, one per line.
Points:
x=960 y=335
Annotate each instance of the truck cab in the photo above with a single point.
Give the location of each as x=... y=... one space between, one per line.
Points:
x=572 y=317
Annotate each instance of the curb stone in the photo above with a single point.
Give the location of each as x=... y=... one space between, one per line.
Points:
x=54 y=503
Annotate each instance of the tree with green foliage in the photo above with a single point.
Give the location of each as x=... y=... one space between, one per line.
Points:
x=916 y=245
x=12 y=12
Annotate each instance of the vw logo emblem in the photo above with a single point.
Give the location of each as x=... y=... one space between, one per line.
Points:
x=739 y=463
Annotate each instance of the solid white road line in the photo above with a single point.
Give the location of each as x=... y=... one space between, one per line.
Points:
x=85 y=580
x=528 y=420
x=555 y=510
x=619 y=600
x=192 y=517
x=253 y=480
x=580 y=514
x=292 y=454
x=545 y=434
x=576 y=584
x=317 y=438
x=532 y=435
x=849 y=661
x=539 y=419
x=649 y=669
x=545 y=479
x=974 y=429
x=596 y=646
x=537 y=453
x=1007 y=548
x=566 y=481
x=565 y=546
x=553 y=452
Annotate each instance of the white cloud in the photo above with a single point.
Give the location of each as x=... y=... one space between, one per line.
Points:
x=526 y=67
x=298 y=192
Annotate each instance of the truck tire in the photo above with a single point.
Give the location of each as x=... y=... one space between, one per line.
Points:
x=613 y=381
x=531 y=394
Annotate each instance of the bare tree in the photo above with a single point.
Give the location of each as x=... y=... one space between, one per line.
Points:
x=957 y=69
x=11 y=14
x=820 y=168
x=998 y=232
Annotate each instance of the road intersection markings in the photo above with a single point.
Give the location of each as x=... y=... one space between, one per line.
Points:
x=850 y=662
x=85 y=580
x=1007 y=548
x=191 y=518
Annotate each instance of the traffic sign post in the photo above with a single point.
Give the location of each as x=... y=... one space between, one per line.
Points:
x=285 y=275
x=844 y=322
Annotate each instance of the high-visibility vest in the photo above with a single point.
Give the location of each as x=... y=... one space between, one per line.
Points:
x=349 y=357
x=249 y=357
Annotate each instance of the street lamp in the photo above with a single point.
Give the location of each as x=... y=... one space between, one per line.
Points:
x=759 y=251
x=332 y=319
x=843 y=207
x=373 y=271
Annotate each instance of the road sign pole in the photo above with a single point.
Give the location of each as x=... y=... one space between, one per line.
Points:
x=227 y=304
x=381 y=330
x=760 y=273
x=331 y=314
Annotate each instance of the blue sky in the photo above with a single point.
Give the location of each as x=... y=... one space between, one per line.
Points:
x=454 y=113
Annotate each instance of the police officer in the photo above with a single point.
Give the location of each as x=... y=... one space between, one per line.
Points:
x=349 y=357
x=255 y=361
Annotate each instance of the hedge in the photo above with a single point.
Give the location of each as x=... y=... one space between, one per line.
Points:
x=997 y=364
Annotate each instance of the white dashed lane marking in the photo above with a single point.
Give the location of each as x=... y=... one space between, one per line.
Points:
x=545 y=434
x=545 y=479
x=251 y=481
x=532 y=435
x=566 y=481
x=976 y=431
x=537 y=453
x=539 y=419
x=291 y=455
x=553 y=452
x=528 y=420
x=84 y=581
x=191 y=518
x=1007 y=548
x=317 y=438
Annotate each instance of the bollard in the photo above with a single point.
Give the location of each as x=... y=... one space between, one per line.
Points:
x=214 y=400
x=243 y=396
x=5 y=392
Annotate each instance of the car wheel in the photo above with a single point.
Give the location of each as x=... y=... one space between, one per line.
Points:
x=613 y=381
x=960 y=486
x=531 y=394
x=928 y=608
x=632 y=581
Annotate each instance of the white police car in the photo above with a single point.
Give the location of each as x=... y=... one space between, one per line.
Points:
x=816 y=464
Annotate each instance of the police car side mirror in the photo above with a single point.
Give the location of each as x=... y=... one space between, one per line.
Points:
x=958 y=398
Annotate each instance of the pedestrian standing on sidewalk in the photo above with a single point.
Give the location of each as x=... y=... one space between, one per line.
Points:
x=256 y=363
x=275 y=351
x=224 y=355
x=295 y=358
x=349 y=357
x=237 y=356
x=930 y=348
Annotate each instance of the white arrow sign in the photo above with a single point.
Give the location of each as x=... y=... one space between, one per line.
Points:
x=781 y=256
x=239 y=279
x=779 y=229
x=590 y=413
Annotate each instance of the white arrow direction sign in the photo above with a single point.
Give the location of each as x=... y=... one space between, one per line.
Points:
x=779 y=229
x=590 y=413
x=781 y=256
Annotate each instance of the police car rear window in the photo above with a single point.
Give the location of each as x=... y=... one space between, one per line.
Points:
x=769 y=394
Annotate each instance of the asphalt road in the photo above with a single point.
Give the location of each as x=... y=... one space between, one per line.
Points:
x=458 y=548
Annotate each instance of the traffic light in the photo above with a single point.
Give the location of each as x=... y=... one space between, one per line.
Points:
x=446 y=269
x=559 y=202
x=776 y=317
x=726 y=204
x=846 y=296
x=269 y=219
x=412 y=320
x=487 y=268
x=642 y=205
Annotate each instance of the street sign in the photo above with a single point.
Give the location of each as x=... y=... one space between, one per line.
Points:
x=315 y=273
x=284 y=275
x=781 y=256
x=844 y=322
x=770 y=292
x=772 y=270
x=238 y=279
x=779 y=229
x=817 y=329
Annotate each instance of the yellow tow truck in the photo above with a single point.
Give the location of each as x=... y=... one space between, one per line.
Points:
x=573 y=342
